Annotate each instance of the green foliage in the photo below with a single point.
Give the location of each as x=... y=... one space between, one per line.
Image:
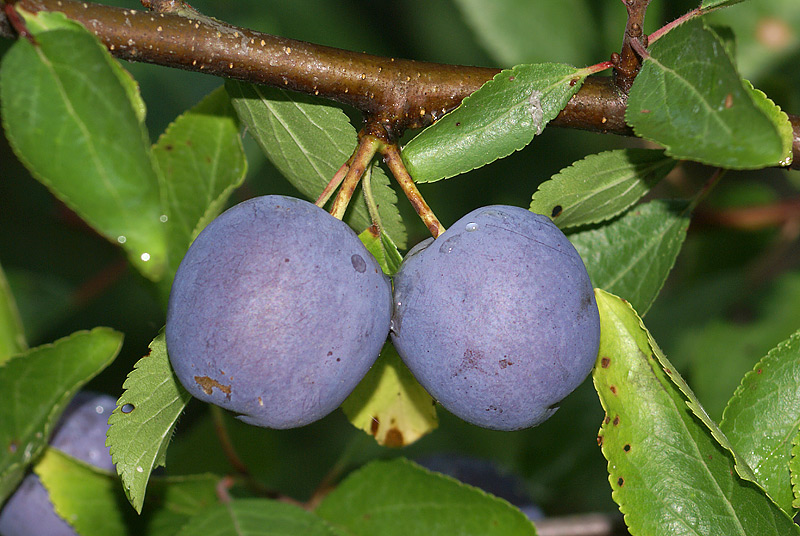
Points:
x=397 y=497
x=308 y=139
x=666 y=469
x=141 y=426
x=12 y=334
x=600 y=186
x=201 y=161
x=37 y=385
x=69 y=116
x=501 y=117
x=75 y=120
x=689 y=69
x=632 y=255
x=763 y=417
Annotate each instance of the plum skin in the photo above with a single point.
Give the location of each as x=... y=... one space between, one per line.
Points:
x=81 y=433
x=276 y=312
x=497 y=317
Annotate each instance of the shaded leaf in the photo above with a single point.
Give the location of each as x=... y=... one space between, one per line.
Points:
x=70 y=120
x=257 y=517
x=93 y=502
x=689 y=98
x=36 y=387
x=763 y=418
x=520 y=31
x=390 y=404
x=708 y=4
x=600 y=186
x=633 y=255
x=503 y=116
x=141 y=426
x=12 y=334
x=383 y=249
x=83 y=496
x=667 y=472
x=397 y=498
x=201 y=162
x=308 y=140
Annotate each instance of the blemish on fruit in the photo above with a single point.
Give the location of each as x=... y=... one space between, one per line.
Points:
x=208 y=384
x=260 y=402
x=505 y=363
x=358 y=263
x=394 y=438
x=556 y=211
x=605 y=362
x=127 y=408
x=613 y=389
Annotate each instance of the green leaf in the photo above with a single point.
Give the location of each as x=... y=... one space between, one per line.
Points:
x=520 y=31
x=201 y=161
x=12 y=334
x=88 y=499
x=141 y=426
x=501 y=117
x=667 y=472
x=763 y=417
x=689 y=98
x=633 y=255
x=777 y=116
x=794 y=469
x=308 y=140
x=92 y=501
x=257 y=517
x=390 y=404
x=383 y=249
x=70 y=119
x=36 y=386
x=397 y=498
x=708 y=4
x=600 y=186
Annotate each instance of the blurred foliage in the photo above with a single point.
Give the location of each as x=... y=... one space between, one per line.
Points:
x=729 y=285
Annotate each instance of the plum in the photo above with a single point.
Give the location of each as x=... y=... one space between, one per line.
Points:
x=497 y=318
x=81 y=433
x=276 y=313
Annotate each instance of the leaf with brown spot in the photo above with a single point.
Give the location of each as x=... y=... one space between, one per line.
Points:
x=389 y=403
x=665 y=466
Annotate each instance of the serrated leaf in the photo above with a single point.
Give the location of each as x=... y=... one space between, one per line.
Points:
x=201 y=161
x=92 y=501
x=383 y=249
x=600 y=186
x=397 y=498
x=71 y=121
x=88 y=499
x=778 y=117
x=520 y=31
x=667 y=472
x=141 y=426
x=708 y=4
x=689 y=98
x=257 y=517
x=36 y=386
x=12 y=334
x=794 y=469
x=633 y=255
x=308 y=140
x=763 y=417
x=501 y=117
x=390 y=404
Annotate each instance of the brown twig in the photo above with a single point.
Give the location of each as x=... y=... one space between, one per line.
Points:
x=398 y=94
x=629 y=60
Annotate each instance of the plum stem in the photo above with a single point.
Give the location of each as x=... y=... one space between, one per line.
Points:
x=369 y=198
x=367 y=147
x=391 y=155
x=334 y=183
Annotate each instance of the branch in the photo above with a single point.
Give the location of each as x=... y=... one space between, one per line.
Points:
x=394 y=93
